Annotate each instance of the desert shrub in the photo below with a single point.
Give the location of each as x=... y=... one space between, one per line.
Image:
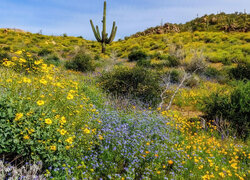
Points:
x=25 y=62
x=226 y=61
x=4 y=55
x=233 y=107
x=193 y=81
x=197 y=63
x=21 y=134
x=52 y=59
x=44 y=52
x=143 y=63
x=37 y=124
x=211 y=72
x=242 y=71
x=175 y=76
x=81 y=62
x=6 y=48
x=159 y=56
x=157 y=65
x=139 y=83
x=137 y=55
x=173 y=61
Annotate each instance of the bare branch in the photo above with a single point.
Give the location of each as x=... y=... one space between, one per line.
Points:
x=167 y=82
x=176 y=91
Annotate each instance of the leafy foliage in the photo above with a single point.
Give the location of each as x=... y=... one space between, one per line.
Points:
x=137 y=55
x=138 y=82
x=233 y=107
x=242 y=71
x=81 y=62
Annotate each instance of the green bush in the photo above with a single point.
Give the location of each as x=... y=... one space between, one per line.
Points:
x=234 y=107
x=21 y=135
x=4 y=55
x=211 y=72
x=242 y=71
x=44 y=52
x=138 y=83
x=197 y=63
x=81 y=62
x=143 y=63
x=173 y=61
x=137 y=55
x=175 y=76
x=159 y=56
x=193 y=81
x=6 y=48
x=53 y=59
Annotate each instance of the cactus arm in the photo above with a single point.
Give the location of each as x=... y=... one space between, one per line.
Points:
x=113 y=33
x=113 y=37
x=98 y=33
x=94 y=31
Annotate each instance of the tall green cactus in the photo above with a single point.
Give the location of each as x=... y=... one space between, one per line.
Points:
x=104 y=39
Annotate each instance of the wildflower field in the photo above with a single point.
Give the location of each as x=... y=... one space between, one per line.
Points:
x=57 y=123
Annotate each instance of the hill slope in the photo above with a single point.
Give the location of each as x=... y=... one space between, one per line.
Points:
x=237 y=22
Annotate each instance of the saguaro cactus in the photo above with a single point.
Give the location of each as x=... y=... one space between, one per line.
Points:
x=104 y=38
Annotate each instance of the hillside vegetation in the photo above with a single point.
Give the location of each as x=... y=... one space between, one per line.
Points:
x=156 y=106
x=237 y=22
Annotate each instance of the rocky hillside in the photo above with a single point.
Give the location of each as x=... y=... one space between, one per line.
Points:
x=238 y=22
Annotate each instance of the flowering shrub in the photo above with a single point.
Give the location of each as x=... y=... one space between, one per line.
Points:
x=26 y=62
x=43 y=117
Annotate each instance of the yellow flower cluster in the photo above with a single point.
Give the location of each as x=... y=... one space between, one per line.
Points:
x=23 y=61
x=57 y=106
x=18 y=116
x=202 y=150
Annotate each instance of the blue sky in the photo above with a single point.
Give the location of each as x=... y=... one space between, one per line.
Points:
x=55 y=17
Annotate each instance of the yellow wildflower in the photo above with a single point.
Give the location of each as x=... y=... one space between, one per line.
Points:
x=70 y=96
x=86 y=130
x=43 y=81
x=18 y=116
x=40 y=102
x=170 y=162
x=53 y=148
x=63 y=132
x=26 y=80
x=69 y=140
x=63 y=120
x=100 y=137
x=48 y=121
x=19 y=52
x=222 y=174
x=26 y=137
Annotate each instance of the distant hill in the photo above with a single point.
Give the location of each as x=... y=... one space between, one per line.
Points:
x=239 y=22
x=11 y=29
